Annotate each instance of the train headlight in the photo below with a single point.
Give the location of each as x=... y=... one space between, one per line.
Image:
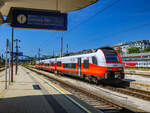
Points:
x=109 y=69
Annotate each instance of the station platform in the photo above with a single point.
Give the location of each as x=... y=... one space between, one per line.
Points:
x=32 y=93
x=138 y=79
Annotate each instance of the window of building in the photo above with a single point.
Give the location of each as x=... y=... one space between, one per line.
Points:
x=86 y=63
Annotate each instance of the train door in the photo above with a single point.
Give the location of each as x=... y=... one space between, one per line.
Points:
x=79 y=66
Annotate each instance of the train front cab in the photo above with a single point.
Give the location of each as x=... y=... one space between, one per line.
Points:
x=115 y=70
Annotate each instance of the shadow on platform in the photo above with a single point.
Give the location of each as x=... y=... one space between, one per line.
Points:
x=42 y=104
x=31 y=104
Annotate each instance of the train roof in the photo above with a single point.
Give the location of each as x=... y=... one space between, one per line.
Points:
x=83 y=53
x=106 y=47
x=88 y=51
x=65 y=57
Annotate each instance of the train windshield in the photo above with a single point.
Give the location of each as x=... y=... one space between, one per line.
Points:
x=110 y=55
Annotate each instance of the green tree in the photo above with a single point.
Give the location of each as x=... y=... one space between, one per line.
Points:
x=147 y=49
x=133 y=50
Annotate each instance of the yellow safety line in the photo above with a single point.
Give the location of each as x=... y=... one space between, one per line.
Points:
x=61 y=92
x=73 y=100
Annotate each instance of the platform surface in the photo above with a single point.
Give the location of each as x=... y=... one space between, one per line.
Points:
x=32 y=93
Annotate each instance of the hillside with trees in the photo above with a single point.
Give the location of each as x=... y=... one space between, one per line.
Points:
x=133 y=50
x=147 y=49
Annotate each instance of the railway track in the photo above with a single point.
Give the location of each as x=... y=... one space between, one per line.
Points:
x=100 y=102
x=145 y=95
x=2 y=69
x=97 y=102
x=125 y=89
x=130 y=91
x=145 y=74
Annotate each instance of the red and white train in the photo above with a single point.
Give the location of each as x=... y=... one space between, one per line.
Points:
x=105 y=64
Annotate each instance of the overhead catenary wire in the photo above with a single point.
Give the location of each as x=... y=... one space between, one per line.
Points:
x=54 y=34
x=89 y=18
x=112 y=34
x=123 y=31
x=116 y=33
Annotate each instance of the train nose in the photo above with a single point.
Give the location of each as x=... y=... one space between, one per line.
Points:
x=114 y=75
x=109 y=69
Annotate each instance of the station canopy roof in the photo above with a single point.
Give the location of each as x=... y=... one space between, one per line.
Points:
x=59 y=5
x=62 y=6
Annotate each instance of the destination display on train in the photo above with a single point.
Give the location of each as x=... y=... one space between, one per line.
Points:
x=35 y=19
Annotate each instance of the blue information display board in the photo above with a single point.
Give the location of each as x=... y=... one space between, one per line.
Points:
x=20 y=54
x=17 y=54
x=37 y=19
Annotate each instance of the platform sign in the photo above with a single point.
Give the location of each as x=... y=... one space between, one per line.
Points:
x=37 y=19
x=20 y=54
x=17 y=54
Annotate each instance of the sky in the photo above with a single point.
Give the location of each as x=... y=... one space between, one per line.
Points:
x=105 y=23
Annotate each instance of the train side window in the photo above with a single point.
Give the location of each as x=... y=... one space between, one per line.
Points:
x=69 y=65
x=86 y=63
x=94 y=60
x=53 y=64
x=59 y=64
x=64 y=65
x=46 y=64
x=73 y=65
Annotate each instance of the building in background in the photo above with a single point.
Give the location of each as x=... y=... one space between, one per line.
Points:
x=117 y=46
x=136 y=60
x=123 y=47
